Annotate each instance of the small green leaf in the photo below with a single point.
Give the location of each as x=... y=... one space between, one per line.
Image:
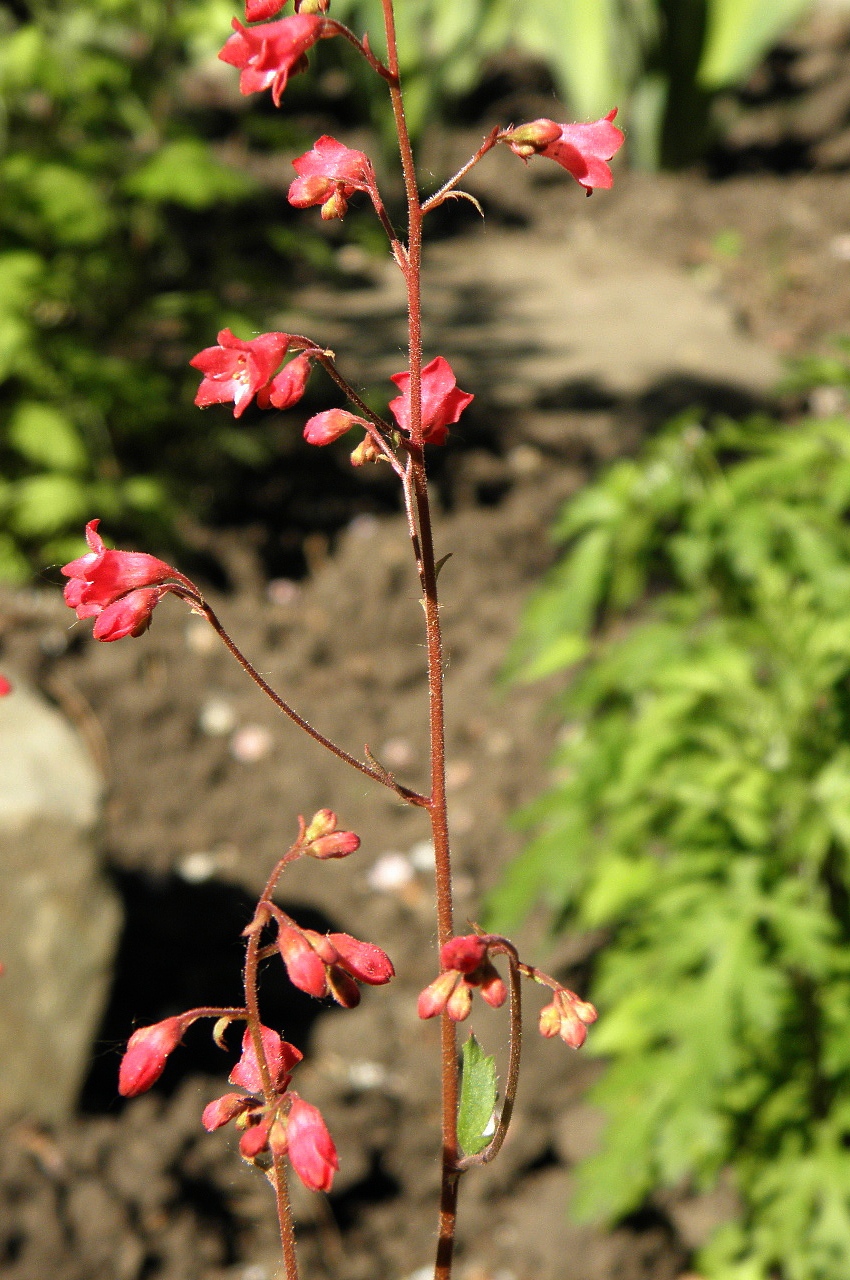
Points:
x=43 y=435
x=477 y=1098
x=185 y=172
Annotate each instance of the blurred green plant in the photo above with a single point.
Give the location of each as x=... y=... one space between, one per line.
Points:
x=120 y=228
x=700 y=816
x=663 y=61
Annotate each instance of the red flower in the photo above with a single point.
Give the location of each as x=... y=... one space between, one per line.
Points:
x=146 y=1055
x=310 y=1147
x=6 y=688
x=581 y=149
x=442 y=401
x=259 y=10
x=280 y=1056
x=269 y=54
x=466 y=965
x=236 y=370
x=118 y=588
x=329 y=175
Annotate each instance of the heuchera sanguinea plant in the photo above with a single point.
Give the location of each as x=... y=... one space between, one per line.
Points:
x=121 y=589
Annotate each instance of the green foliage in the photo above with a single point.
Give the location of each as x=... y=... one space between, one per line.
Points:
x=120 y=228
x=662 y=61
x=701 y=815
x=477 y=1098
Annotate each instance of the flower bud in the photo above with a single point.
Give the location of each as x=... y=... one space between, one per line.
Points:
x=491 y=986
x=311 y=1149
x=306 y=970
x=324 y=428
x=321 y=824
x=465 y=953
x=459 y=1003
x=222 y=1110
x=363 y=960
x=528 y=139
x=434 y=998
x=366 y=451
x=146 y=1054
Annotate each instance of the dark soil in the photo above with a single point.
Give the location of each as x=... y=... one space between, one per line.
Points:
x=206 y=782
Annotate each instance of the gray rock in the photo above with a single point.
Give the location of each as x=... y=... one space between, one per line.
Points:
x=59 y=919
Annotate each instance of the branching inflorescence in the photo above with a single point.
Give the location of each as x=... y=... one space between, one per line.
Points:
x=121 y=589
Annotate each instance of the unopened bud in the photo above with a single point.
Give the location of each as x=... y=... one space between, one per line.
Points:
x=336 y=207
x=529 y=139
x=465 y=953
x=459 y=1003
x=492 y=988
x=321 y=824
x=363 y=960
x=146 y=1055
x=434 y=998
x=339 y=844
x=366 y=451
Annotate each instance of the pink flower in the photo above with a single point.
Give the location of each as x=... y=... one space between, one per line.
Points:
x=581 y=149
x=442 y=401
x=6 y=689
x=236 y=370
x=324 y=428
x=466 y=965
x=118 y=588
x=567 y=1016
x=329 y=175
x=310 y=1147
x=259 y=10
x=269 y=54
x=224 y=1109
x=280 y=1056
x=146 y=1055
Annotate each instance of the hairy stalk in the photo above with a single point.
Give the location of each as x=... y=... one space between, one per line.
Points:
x=416 y=499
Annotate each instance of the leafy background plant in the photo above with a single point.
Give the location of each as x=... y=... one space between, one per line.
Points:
x=700 y=815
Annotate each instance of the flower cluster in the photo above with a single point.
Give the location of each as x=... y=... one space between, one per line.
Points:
x=236 y=370
x=323 y=839
x=466 y=965
x=284 y=1126
x=568 y=1016
x=119 y=589
x=331 y=964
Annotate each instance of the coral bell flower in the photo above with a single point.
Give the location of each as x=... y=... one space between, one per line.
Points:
x=288 y=387
x=325 y=428
x=146 y=1054
x=281 y=1057
x=235 y=370
x=442 y=401
x=466 y=965
x=567 y=1016
x=310 y=1147
x=581 y=149
x=118 y=588
x=267 y=55
x=329 y=175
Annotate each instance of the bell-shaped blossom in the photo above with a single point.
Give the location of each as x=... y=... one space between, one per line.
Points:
x=235 y=370
x=281 y=1057
x=332 y=964
x=146 y=1054
x=324 y=428
x=442 y=401
x=288 y=387
x=310 y=1147
x=466 y=966
x=328 y=175
x=582 y=149
x=119 y=589
x=324 y=840
x=568 y=1016
x=269 y=54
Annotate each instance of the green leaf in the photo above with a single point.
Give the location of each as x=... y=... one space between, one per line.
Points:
x=46 y=504
x=185 y=173
x=739 y=33
x=43 y=435
x=477 y=1098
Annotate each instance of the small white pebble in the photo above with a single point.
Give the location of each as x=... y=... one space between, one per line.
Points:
x=196 y=868
x=200 y=637
x=397 y=753
x=282 y=591
x=251 y=743
x=421 y=855
x=216 y=718
x=367 y=1075
x=390 y=872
